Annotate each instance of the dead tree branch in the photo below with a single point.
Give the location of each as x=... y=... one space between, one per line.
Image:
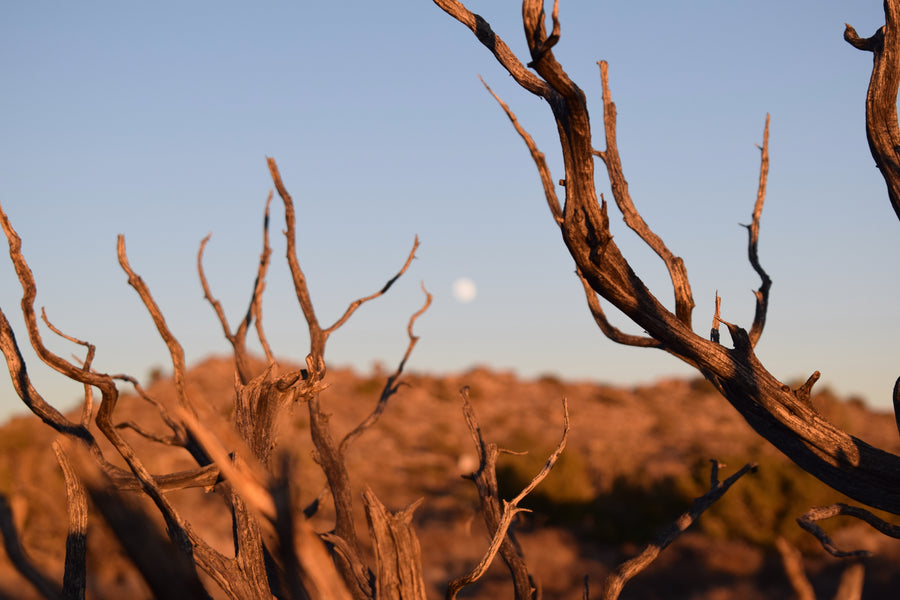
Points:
x=808 y=522
x=842 y=461
x=498 y=513
x=881 y=100
x=614 y=583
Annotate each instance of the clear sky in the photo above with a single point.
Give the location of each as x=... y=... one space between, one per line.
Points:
x=154 y=121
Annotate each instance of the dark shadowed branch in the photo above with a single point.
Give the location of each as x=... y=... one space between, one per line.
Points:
x=614 y=583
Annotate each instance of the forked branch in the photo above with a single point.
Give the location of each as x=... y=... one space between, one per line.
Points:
x=778 y=413
x=498 y=513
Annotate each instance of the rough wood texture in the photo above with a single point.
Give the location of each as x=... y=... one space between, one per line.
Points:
x=781 y=415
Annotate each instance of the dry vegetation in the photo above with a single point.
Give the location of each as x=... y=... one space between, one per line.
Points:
x=250 y=478
x=632 y=464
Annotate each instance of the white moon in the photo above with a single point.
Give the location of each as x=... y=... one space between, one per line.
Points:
x=464 y=290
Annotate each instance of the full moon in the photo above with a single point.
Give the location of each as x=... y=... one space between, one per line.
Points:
x=464 y=290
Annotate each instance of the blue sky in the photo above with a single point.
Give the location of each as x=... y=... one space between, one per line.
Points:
x=154 y=121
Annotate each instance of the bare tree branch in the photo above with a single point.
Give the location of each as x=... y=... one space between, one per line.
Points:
x=881 y=100
x=254 y=310
x=175 y=350
x=391 y=385
x=498 y=47
x=808 y=522
x=616 y=580
x=762 y=294
x=842 y=461
x=499 y=517
x=75 y=575
x=684 y=301
x=537 y=156
x=87 y=409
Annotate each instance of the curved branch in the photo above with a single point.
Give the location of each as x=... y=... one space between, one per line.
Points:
x=684 y=300
x=359 y=302
x=614 y=583
x=808 y=522
x=849 y=465
x=176 y=352
x=762 y=294
x=391 y=386
x=882 y=130
x=87 y=409
x=536 y=155
x=254 y=310
x=497 y=46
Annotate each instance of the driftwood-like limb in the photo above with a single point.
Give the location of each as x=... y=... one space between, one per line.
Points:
x=847 y=464
x=19 y=557
x=360 y=301
x=14 y=361
x=398 y=556
x=499 y=514
x=808 y=522
x=616 y=580
x=75 y=574
x=762 y=294
x=792 y=561
x=881 y=100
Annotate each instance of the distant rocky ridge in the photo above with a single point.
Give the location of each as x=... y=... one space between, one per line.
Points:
x=635 y=458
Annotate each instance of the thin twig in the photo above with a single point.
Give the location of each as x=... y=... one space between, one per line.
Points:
x=87 y=410
x=616 y=580
x=684 y=300
x=510 y=508
x=391 y=386
x=762 y=294
x=808 y=522
x=537 y=156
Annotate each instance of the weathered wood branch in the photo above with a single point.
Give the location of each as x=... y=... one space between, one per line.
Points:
x=499 y=513
x=881 y=100
x=778 y=413
x=75 y=574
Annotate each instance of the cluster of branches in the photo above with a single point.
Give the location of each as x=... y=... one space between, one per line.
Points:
x=277 y=552
x=784 y=416
x=276 y=549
